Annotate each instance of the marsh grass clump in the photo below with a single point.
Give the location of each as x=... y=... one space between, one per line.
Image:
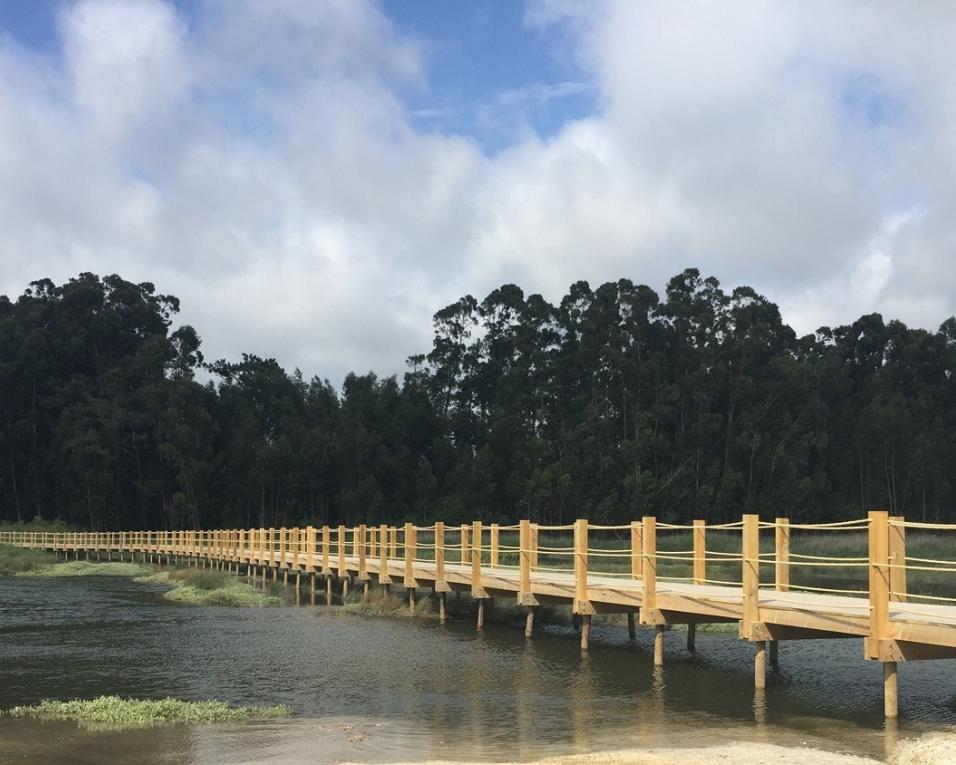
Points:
x=90 y=568
x=23 y=560
x=205 y=587
x=116 y=713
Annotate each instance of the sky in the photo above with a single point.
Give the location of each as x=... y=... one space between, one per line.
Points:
x=314 y=179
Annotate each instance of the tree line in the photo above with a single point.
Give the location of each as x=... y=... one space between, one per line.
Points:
x=615 y=403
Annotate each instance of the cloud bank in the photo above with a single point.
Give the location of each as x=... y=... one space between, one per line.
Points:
x=260 y=161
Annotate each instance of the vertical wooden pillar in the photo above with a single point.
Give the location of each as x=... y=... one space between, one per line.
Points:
x=360 y=545
x=879 y=581
x=465 y=548
x=700 y=551
x=581 y=603
x=750 y=575
x=342 y=571
x=782 y=555
x=760 y=664
x=890 y=690
x=631 y=629
x=410 y=547
x=477 y=583
x=534 y=547
x=283 y=547
x=659 y=645
x=649 y=569
x=494 y=545
x=326 y=550
x=393 y=534
x=637 y=549
x=440 y=583
x=896 y=533
x=383 y=577
x=310 y=553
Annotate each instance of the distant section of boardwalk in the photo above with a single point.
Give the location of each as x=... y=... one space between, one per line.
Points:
x=605 y=569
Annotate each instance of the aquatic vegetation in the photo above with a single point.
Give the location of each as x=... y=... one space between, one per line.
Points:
x=116 y=713
x=89 y=568
x=22 y=560
x=380 y=603
x=206 y=587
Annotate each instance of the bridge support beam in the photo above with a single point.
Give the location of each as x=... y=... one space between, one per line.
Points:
x=760 y=664
x=529 y=622
x=890 y=690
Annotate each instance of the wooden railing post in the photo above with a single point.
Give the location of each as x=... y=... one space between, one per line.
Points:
x=637 y=549
x=310 y=549
x=649 y=570
x=879 y=555
x=534 y=546
x=362 y=572
x=700 y=551
x=750 y=575
x=326 y=549
x=341 y=550
x=410 y=546
x=581 y=603
x=440 y=583
x=897 y=558
x=494 y=545
x=525 y=597
x=782 y=555
x=465 y=549
x=383 y=575
x=393 y=544
x=477 y=585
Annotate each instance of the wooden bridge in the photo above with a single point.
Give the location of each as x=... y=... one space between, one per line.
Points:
x=658 y=574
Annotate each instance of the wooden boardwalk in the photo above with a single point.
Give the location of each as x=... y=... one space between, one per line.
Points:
x=602 y=569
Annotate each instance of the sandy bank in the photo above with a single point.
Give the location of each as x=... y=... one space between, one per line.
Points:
x=934 y=749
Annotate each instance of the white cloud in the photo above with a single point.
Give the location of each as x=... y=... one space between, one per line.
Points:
x=259 y=161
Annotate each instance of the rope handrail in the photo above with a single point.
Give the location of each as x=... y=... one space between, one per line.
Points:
x=923 y=525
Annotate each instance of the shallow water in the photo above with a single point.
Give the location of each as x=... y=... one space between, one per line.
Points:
x=385 y=689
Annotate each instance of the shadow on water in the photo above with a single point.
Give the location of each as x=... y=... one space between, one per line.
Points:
x=378 y=689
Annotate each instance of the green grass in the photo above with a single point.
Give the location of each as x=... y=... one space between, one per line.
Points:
x=115 y=713
x=22 y=560
x=89 y=568
x=38 y=524
x=380 y=603
x=206 y=587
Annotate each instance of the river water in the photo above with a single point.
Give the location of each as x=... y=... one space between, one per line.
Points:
x=369 y=689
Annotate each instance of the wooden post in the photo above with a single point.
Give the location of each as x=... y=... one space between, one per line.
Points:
x=637 y=549
x=494 y=545
x=529 y=622
x=649 y=572
x=465 y=549
x=782 y=556
x=581 y=603
x=342 y=571
x=534 y=547
x=760 y=664
x=631 y=630
x=393 y=532
x=326 y=549
x=310 y=553
x=890 y=690
x=477 y=584
x=410 y=545
x=879 y=581
x=383 y=576
x=896 y=533
x=659 y=645
x=750 y=575
x=440 y=583
x=524 y=561
x=586 y=632
x=283 y=547
x=700 y=551
x=360 y=544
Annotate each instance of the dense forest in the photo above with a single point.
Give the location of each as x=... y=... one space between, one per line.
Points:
x=613 y=404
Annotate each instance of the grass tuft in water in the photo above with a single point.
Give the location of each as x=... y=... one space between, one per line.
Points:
x=206 y=587
x=115 y=713
x=90 y=568
x=380 y=603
